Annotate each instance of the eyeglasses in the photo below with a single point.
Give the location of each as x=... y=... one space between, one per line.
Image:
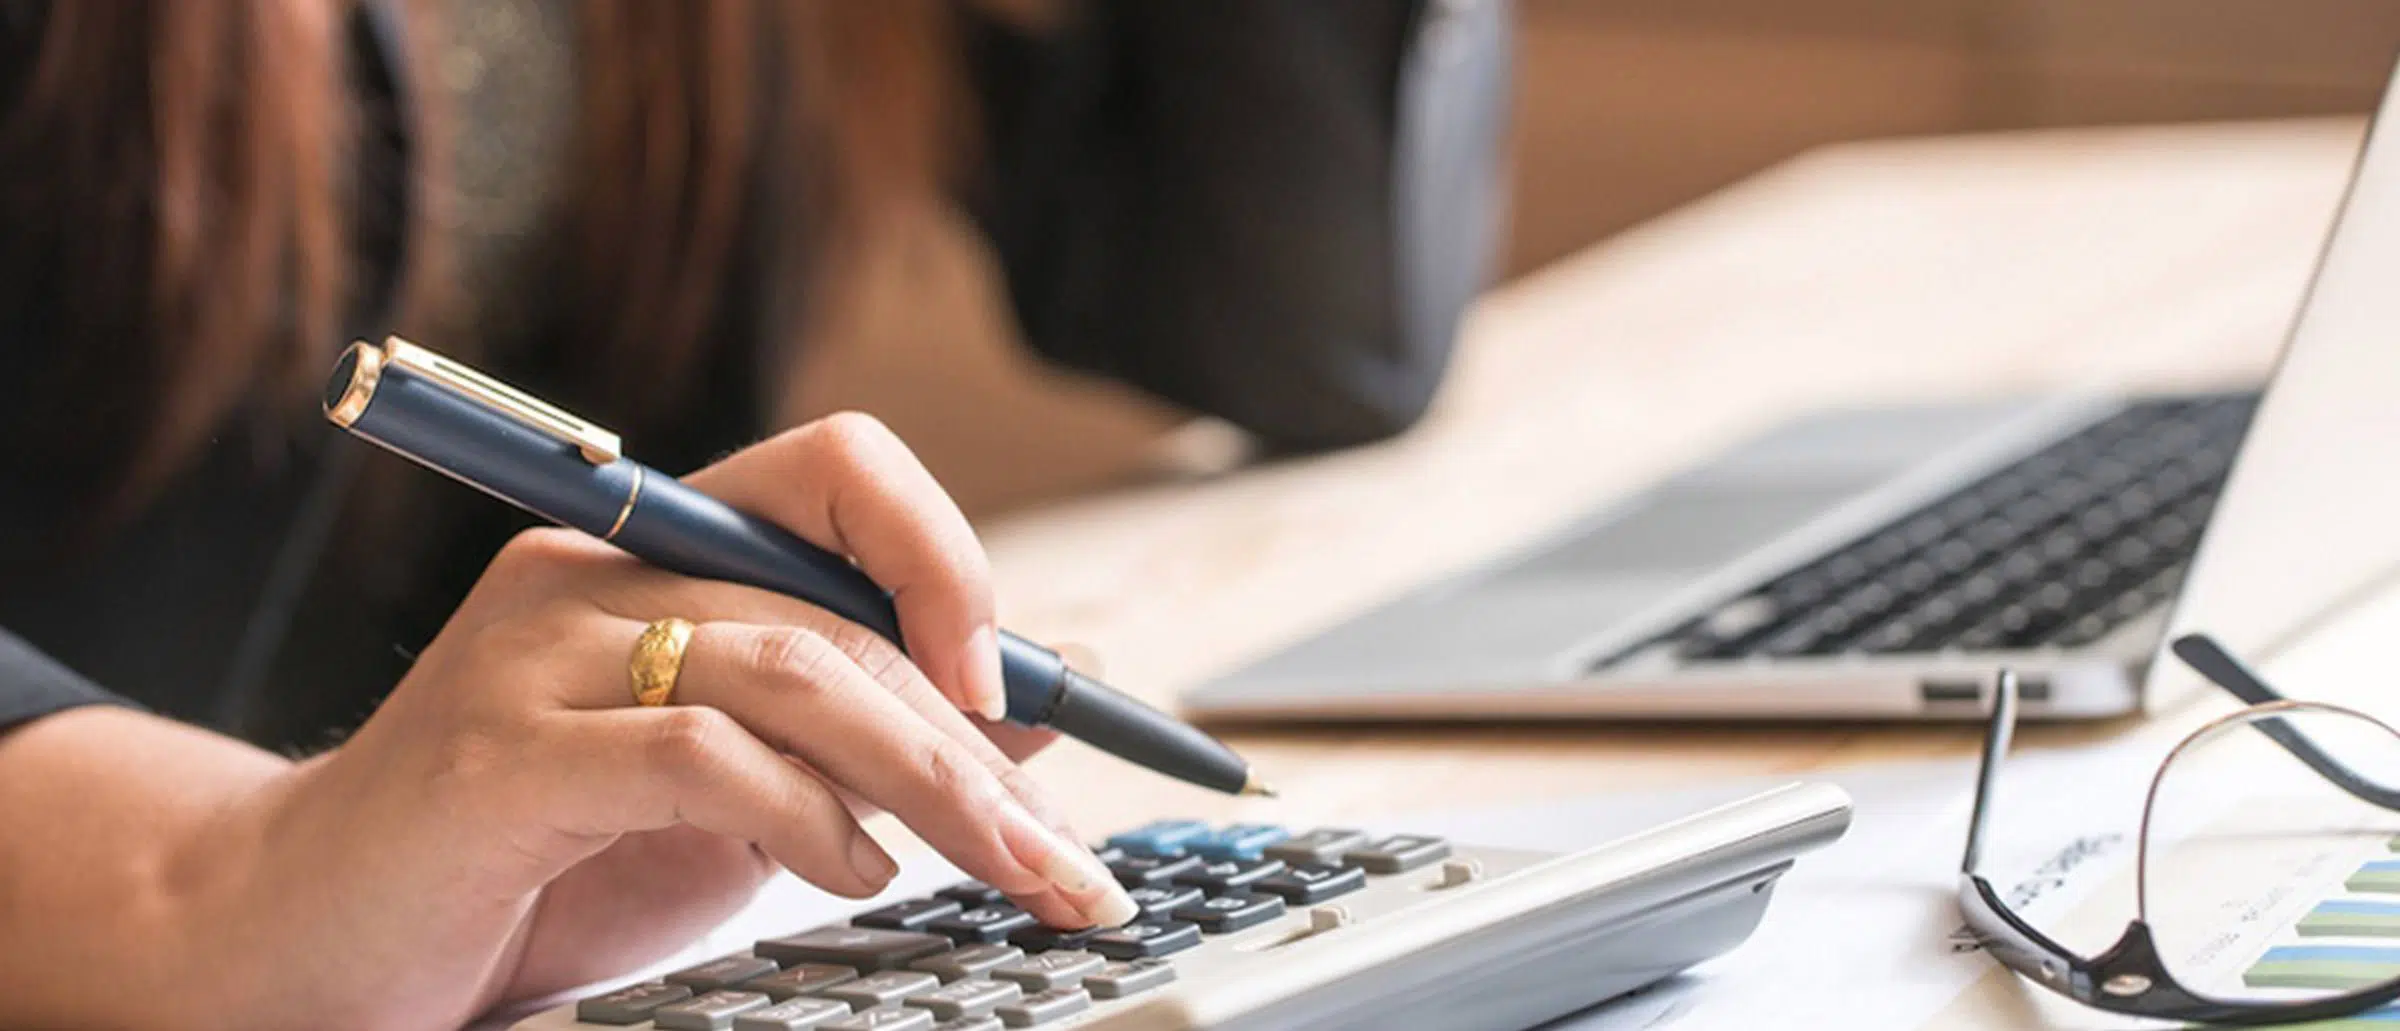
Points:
x=2268 y=841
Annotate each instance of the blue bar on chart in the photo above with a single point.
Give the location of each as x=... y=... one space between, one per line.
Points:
x=2351 y=918
x=2331 y=967
x=2381 y=877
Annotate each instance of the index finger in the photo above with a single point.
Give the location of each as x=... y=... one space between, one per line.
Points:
x=848 y=484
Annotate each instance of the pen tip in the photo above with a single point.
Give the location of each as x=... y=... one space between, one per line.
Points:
x=1255 y=786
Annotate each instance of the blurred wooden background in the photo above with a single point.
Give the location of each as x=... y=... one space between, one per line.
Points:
x=1624 y=110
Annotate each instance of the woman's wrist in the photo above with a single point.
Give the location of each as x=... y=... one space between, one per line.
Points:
x=115 y=870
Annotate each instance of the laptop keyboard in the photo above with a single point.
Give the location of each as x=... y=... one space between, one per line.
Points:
x=2055 y=550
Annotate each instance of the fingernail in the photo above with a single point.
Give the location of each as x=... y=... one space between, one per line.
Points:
x=986 y=689
x=1071 y=867
x=868 y=860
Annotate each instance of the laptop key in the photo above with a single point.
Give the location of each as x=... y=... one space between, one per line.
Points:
x=862 y=948
x=972 y=998
x=970 y=1024
x=792 y=1015
x=711 y=1012
x=1118 y=980
x=630 y=1005
x=799 y=979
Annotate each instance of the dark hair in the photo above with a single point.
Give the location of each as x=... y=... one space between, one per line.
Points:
x=177 y=182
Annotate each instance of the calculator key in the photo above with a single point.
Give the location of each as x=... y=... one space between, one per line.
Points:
x=972 y=893
x=722 y=973
x=884 y=1020
x=911 y=915
x=1107 y=853
x=965 y=998
x=968 y=961
x=970 y=1024
x=1158 y=900
x=1043 y=939
x=1223 y=914
x=792 y=1015
x=799 y=979
x=1227 y=874
x=1311 y=883
x=1242 y=841
x=883 y=989
x=1142 y=871
x=862 y=948
x=1045 y=1007
x=1050 y=970
x=1398 y=853
x=985 y=924
x=712 y=1012
x=1159 y=838
x=630 y=1005
x=1323 y=845
x=1118 y=980
x=1147 y=938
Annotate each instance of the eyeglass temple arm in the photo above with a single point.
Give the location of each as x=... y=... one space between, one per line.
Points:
x=2210 y=659
x=1997 y=735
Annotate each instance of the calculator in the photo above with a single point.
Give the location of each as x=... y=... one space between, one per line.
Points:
x=1256 y=926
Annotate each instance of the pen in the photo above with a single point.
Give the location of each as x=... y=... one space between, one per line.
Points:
x=495 y=438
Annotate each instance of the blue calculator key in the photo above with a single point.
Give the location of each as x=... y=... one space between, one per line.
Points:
x=1160 y=837
x=1241 y=841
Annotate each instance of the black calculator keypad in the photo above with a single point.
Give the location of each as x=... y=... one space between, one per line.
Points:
x=971 y=959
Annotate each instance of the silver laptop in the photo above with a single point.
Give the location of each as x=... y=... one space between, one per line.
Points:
x=1884 y=563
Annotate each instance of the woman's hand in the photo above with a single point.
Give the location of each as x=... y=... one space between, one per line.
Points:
x=509 y=824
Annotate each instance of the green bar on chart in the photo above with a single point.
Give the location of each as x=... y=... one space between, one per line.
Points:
x=2351 y=918
x=2329 y=967
x=2381 y=877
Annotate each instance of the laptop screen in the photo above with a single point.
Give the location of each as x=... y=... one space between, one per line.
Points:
x=2309 y=522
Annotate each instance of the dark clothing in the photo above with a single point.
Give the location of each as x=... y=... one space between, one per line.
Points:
x=1269 y=211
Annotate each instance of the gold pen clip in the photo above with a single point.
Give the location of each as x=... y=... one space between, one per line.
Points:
x=596 y=445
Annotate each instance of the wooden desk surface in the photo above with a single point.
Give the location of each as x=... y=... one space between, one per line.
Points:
x=1902 y=270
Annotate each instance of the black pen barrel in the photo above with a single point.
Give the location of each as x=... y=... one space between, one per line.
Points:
x=1119 y=724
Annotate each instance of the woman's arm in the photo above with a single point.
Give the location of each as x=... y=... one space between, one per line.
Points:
x=115 y=840
x=1267 y=211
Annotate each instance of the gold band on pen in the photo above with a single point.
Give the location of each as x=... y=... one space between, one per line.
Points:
x=626 y=512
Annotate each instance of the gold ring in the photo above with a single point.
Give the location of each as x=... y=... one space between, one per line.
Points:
x=658 y=660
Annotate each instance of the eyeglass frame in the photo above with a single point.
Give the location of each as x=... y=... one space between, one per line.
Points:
x=2130 y=977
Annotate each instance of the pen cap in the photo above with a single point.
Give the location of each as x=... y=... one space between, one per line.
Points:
x=482 y=433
